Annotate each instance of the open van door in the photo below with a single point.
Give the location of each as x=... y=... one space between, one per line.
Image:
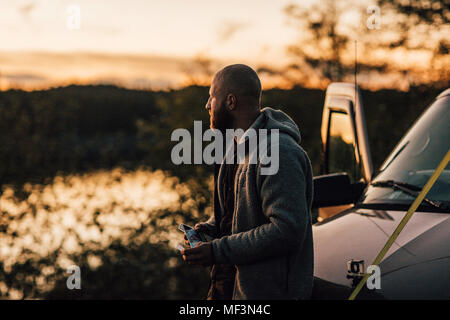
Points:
x=346 y=166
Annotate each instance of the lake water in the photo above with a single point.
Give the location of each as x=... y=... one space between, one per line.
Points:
x=90 y=210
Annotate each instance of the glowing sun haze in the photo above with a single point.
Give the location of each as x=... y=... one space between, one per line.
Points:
x=153 y=43
x=134 y=42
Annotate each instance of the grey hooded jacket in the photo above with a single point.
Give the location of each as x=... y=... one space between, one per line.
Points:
x=271 y=243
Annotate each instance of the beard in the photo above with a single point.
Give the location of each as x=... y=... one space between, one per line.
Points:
x=221 y=120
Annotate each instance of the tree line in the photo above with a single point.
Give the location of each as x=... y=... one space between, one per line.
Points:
x=82 y=128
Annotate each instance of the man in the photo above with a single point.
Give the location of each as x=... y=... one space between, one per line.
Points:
x=262 y=247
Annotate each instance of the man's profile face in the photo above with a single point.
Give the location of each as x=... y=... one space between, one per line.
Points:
x=219 y=116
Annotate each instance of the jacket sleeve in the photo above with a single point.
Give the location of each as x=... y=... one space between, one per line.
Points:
x=210 y=225
x=284 y=203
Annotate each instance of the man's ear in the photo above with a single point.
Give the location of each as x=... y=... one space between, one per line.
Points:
x=231 y=101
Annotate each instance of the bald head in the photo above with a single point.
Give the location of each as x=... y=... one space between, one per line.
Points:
x=241 y=81
x=234 y=98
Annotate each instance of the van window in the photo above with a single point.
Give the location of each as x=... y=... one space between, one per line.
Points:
x=416 y=157
x=341 y=146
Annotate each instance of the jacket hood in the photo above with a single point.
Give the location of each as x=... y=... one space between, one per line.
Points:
x=277 y=119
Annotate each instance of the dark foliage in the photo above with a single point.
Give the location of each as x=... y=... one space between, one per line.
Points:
x=76 y=129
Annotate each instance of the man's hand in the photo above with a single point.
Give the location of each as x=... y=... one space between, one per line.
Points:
x=201 y=254
x=199 y=227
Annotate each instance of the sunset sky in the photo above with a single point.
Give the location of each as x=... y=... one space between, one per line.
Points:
x=149 y=43
x=176 y=27
x=136 y=41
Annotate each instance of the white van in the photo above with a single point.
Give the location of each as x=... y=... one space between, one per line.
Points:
x=359 y=208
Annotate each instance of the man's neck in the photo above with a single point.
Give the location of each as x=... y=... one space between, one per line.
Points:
x=246 y=120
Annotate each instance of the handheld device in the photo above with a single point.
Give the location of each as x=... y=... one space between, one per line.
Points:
x=193 y=236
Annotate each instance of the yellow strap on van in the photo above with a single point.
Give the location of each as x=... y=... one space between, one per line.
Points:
x=404 y=221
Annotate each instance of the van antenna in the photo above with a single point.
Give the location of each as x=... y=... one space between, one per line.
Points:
x=356 y=66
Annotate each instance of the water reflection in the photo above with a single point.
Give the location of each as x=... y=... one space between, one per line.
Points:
x=86 y=219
